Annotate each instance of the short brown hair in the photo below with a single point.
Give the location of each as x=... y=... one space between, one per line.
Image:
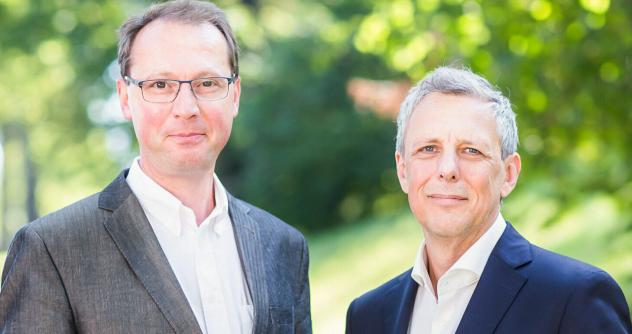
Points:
x=185 y=11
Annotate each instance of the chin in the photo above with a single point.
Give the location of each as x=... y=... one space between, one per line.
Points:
x=191 y=164
x=448 y=227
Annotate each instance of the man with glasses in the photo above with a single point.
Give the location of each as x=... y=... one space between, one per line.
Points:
x=164 y=248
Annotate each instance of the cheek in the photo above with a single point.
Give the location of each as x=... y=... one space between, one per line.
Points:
x=218 y=123
x=147 y=125
x=419 y=173
x=220 y=118
x=486 y=181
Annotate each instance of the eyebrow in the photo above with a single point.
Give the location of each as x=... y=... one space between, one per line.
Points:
x=170 y=75
x=433 y=140
x=424 y=142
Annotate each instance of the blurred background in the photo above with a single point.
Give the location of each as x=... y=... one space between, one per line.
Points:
x=314 y=139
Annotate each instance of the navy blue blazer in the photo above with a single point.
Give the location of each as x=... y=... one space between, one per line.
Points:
x=523 y=289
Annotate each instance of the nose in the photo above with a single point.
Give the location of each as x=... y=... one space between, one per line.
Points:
x=185 y=105
x=447 y=167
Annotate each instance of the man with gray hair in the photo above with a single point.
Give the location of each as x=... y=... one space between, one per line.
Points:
x=474 y=273
x=164 y=248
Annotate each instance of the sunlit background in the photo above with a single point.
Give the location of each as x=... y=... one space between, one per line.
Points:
x=313 y=142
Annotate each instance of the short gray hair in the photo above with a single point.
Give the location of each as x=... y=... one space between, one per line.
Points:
x=185 y=11
x=461 y=81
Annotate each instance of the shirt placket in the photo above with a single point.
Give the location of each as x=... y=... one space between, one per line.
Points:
x=213 y=302
x=445 y=293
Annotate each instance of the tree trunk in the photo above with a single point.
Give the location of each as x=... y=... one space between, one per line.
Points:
x=31 y=176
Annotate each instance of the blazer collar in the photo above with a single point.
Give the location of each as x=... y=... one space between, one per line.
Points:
x=131 y=232
x=115 y=193
x=249 y=243
x=398 y=307
x=499 y=284
x=136 y=240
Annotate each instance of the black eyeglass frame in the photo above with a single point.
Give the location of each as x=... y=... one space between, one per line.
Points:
x=139 y=83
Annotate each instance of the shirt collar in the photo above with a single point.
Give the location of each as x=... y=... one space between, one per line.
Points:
x=159 y=203
x=473 y=261
x=219 y=217
x=475 y=258
x=420 y=271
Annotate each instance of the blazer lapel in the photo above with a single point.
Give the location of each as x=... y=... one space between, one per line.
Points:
x=499 y=284
x=132 y=234
x=401 y=301
x=249 y=245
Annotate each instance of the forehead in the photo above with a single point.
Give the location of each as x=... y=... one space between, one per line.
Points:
x=439 y=116
x=168 y=46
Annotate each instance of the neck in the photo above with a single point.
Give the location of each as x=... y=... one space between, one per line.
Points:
x=194 y=190
x=440 y=257
x=443 y=252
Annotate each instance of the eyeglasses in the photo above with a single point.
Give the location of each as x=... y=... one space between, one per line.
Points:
x=166 y=90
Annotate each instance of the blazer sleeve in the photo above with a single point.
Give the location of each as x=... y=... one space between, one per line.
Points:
x=596 y=306
x=32 y=295
x=303 y=322
x=349 y=324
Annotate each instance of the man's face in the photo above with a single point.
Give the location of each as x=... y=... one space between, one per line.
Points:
x=186 y=135
x=451 y=167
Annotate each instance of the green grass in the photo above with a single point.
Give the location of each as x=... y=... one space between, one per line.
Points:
x=351 y=260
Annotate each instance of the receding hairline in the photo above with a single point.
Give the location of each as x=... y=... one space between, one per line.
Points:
x=175 y=20
x=182 y=11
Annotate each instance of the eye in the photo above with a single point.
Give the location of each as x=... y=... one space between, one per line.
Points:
x=208 y=83
x=470 y=150
x=428 y=149
x=158 y=84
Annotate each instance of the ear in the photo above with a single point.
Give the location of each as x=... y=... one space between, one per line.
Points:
x=121 y=90
x=401 y=171
x=236 y=95
x=512 y=165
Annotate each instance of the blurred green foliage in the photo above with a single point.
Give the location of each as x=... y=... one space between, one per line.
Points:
x=301 y=148
x=565 y=65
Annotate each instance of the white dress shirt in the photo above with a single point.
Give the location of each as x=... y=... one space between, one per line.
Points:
x=442 y=314
x=204 y=258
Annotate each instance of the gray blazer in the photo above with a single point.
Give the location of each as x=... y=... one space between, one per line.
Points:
x=97 y=267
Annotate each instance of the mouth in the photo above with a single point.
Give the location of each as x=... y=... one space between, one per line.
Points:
x=447 y=199
x=186 y=137
x=444 y=196
x=186 y=134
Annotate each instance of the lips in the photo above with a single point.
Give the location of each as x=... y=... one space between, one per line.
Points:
x=447 y=200
x=445 y=196
x=187 y=137
x=186 y=134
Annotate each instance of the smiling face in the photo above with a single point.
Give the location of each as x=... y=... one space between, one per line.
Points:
x=451 y=167
x=185 y=136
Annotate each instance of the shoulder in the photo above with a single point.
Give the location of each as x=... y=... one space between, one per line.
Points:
x=592 y=300
x=57 y=230
x=71 y=217
x=372 y=302
x=391 y=300
x=561 y=270
x=545 y=269
x=84 y=216
x=587 y=297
